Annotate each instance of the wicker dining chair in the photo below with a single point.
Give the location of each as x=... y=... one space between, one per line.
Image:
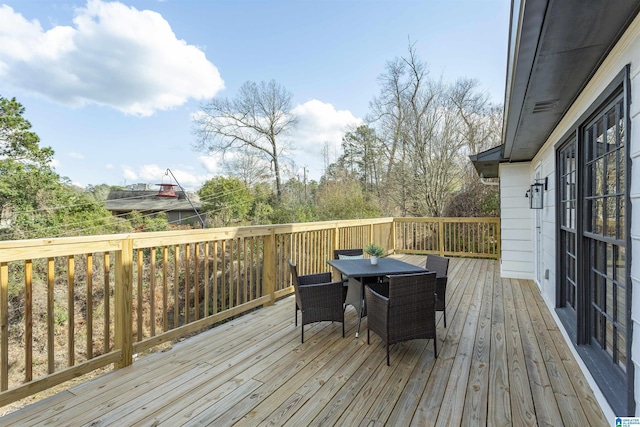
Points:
x=403 y=310
x=317 y=297
x=347 y=254
x=440 y=265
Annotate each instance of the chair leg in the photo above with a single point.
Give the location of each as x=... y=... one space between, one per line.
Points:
x=444 y=314
x=302 y=333
x=435 y=347
x=388 y=364
x=296 y=315
x=368 y=341
x=343 y=327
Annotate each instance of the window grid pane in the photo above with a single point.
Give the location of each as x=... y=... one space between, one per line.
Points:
x=604 y=204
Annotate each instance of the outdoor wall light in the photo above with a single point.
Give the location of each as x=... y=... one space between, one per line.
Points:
x=535 y=193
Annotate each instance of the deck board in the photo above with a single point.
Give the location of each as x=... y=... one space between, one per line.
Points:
x=501 y=361
x=476 y=398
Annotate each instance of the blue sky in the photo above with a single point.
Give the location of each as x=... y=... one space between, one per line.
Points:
x=112 y=86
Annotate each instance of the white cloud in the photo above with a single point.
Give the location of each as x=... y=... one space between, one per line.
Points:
x=113 y=55
x=319 y=123
x=129 y=174
x=212 y=163
x=75 y=155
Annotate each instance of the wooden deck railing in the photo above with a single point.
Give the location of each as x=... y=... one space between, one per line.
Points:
x=460 y=237
x=69 y=306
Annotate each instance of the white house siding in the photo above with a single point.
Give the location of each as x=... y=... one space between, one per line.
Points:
x=548 y=277
x=626 y=51
x=515 y=222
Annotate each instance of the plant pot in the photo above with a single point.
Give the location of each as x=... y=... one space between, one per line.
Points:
x=374 y=260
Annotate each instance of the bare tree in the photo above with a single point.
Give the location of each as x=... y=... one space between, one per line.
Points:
x=427 y=129
x=248 y=166
x=387 y=115
x=257 y=120
x=480 y=125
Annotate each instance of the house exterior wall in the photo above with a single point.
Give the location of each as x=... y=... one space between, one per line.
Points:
x=515 y=178
x=516 y=258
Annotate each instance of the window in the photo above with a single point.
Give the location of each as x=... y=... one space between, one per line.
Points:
x=604 y=232
x=594 y=297
x=567 y=235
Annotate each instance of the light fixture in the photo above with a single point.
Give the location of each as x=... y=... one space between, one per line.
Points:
x=535 y=193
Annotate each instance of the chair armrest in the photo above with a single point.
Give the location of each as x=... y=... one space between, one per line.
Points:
x=377 y=312
x=311 y=279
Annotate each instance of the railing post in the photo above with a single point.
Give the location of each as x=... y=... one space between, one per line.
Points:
x=441 y=236
x=123 y=339
x=499 y=248
x=371 y=234
x=270 y=266
x=393 y=235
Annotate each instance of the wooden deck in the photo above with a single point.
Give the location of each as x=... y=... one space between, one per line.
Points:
x=502 y=361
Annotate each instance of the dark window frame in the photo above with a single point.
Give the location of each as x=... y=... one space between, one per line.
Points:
x=577 y=323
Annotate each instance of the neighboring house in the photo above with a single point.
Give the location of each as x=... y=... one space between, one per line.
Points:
x=144 y=199
x=572 y=123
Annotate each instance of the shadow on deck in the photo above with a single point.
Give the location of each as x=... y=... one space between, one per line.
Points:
x=502 y=361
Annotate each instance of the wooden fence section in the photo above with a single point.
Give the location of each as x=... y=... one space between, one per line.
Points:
x=69 y=306
x=459 y=237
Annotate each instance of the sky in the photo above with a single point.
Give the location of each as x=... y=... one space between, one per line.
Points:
x=113 y=86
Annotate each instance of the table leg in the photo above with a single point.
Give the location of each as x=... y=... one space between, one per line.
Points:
x=355 y=298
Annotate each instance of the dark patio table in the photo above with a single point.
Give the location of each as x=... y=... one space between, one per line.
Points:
x=358 y=269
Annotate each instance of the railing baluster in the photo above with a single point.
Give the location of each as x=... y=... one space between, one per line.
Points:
x=187 y=282
x=4 y=326
x=269 y=271
x=70 y=311
x=50 y=319
x=152 y=291
x=28 y=320
x=239 y=297
x=165 y=289
x=214 y=274
x=196 y=281
x=252 y=285
x=106 y=300
x=89 y=297
x=206 y=278
x=176 y=286
x=223 y=285
x=139 y=298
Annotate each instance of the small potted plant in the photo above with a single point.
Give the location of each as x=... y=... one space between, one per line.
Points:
x=374 y=252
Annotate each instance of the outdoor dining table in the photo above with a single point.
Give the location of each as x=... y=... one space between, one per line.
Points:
x=357 y=270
